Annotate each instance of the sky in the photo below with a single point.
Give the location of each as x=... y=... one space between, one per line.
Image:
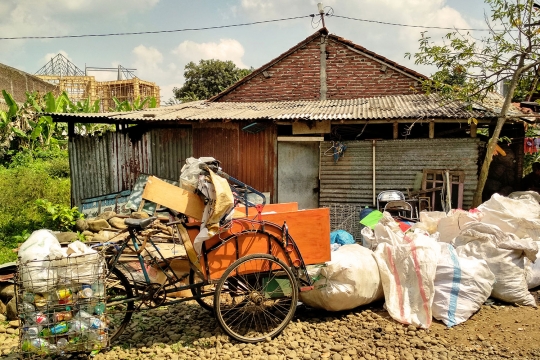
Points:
x=161 y=58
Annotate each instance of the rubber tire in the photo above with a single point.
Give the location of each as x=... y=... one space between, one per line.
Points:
x=130 y=305
x=223 y=279
x=196 y=292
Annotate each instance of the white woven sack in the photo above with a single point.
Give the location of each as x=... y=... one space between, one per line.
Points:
x=505 y=255
x=349 y=280
x=462 y=285
x=407 y=272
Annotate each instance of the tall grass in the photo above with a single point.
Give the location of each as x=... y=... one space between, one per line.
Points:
x=25 y=180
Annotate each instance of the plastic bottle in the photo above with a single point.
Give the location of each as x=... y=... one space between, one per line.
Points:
x=27 y=307
x=63 y=316
x=77 y=326
x=89 y=320
x=38 y=318
x=99 y=309
x=85 y=293
x=60 y=328
x=62 y=343
x=28 y=297
x=39 y=345
x=32 y=331
x=99 y=289
x=65 y=296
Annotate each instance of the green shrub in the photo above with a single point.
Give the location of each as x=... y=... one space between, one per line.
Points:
x=21 y=184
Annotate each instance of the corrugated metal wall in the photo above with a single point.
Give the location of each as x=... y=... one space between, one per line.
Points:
x=349 y=181
x=251 y=158
x=110 y=163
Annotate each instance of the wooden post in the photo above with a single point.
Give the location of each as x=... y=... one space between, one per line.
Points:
x=396 y=134
x=473 y=129
x=431 y=130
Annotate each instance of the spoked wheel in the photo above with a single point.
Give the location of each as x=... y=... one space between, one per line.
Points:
x=119 y=311
x=206 y=302
x=256 y=298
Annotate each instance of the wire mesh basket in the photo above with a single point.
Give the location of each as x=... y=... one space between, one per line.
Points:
x=346 y=217
x=62 y=306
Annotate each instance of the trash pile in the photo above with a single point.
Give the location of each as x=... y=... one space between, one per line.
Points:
x=445 y=266
x=60 y=297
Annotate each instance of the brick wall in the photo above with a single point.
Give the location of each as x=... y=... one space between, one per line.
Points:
x=17 y=83
x=297 y=77
x=351 y=75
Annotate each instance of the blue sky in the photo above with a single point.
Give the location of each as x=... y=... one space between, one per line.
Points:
x=161 y=58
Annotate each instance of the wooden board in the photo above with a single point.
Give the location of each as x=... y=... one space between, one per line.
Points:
x=240 y=211
x=310 y=229
x=173 y=197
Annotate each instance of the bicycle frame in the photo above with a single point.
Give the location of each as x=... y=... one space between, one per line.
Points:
x=169 y=286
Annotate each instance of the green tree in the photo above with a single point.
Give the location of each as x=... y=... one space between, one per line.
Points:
x=208 y=78
x=510 y=51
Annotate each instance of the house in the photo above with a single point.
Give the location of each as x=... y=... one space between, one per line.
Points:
x=17 y=83
x=281 y=128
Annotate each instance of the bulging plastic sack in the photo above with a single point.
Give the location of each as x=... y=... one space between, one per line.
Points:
x=349 y=280
x=505 y=255
x=189 y=174
x=84 y=264
x=451 y=225
x=462 y=285
x=40 y=256
x=532 y=271
x=429 y=221
x=519 y=216
x=407 y=268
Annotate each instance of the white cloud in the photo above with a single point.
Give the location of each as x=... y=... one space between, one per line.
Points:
x=151 y=66
x=49 y=56
x=226 y=49
x=60 y=17
x=390 y=41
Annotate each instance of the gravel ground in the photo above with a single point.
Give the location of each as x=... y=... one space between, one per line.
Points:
x=186 y=331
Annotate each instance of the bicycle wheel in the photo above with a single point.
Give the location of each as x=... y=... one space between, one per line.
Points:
x=119 y=311
x=255 y=298
x=206 y=302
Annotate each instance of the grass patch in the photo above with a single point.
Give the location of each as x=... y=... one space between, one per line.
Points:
x=22 y=183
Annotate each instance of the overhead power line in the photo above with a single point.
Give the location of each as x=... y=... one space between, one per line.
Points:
x=230 y=26
x=150 y=32
x=406 y=25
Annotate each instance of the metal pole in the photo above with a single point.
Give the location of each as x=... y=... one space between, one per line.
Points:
x=373 y=145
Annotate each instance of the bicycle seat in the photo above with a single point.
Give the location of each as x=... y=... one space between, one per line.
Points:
x=139 y=223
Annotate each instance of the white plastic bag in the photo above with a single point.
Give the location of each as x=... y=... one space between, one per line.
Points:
x=40 y=256
x=83 y=264
x=189 y=174
x=462 y=285
x=349 y=280
x=518 y=216
x=504 y=254
x=407 y=268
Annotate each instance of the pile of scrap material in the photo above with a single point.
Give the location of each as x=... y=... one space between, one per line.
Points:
x=443 y=267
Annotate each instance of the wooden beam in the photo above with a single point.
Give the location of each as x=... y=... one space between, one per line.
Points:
x=300 y=138
x=431 y=130
x=396 y=129
x=474 y=128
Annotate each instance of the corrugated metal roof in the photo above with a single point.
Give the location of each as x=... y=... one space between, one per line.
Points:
x=417 y=106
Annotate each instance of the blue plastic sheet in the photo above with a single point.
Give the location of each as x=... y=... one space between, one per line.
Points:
x=341 y=237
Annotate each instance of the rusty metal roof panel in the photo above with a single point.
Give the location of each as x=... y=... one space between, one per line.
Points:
x=386 y=107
